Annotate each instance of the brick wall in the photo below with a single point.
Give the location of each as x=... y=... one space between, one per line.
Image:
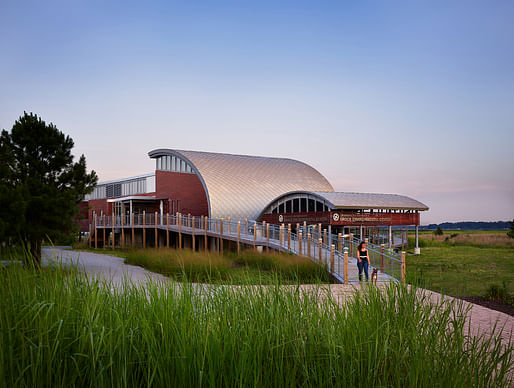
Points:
x=186 y=188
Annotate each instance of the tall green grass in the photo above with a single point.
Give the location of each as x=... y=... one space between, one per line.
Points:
x=66 y=330
x=231 y=268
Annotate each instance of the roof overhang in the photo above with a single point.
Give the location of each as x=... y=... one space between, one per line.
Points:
x=357 y=201
x=140 y=198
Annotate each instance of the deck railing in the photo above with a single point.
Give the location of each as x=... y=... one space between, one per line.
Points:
x=335 y=252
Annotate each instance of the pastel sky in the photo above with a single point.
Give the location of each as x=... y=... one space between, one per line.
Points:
x=413 y=98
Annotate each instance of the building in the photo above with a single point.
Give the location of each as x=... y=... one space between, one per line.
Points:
x=275 y=190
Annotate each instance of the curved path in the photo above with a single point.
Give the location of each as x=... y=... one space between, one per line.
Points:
x=100 y=266
x=111 y=268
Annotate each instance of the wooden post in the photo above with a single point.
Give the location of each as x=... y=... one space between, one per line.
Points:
x=254 y=236
x=179 y=231
x=280 y=231
x=122 y=242
x=167 y=230
x=144 y=229
x=90 y=235
x=340 y=242
x=308 y=245
x=297 y=228
x=221 y=235
x=403 y=267
x=103 y=224
x=345 y=266
x=246 y=226
x=96 y=239
x=403 y=242
x=288 y=237
x=264 y=232
x=238 y=235
x=351 y=244
x=300 y=243
x=325 y=236
x=133 y=239
x=205 y=225
x=382 y=258
x=112 y=226
x=332 y=249
x=155 y=230
x=267 y=237
x=193 y=233
x=320 y=247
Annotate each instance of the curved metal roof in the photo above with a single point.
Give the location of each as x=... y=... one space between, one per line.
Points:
x=240 y=186
x=341 y=200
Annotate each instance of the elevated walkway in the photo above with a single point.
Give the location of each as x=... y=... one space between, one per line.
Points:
x=335 y=252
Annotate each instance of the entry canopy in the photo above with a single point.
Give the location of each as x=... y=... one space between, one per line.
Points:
x=351 y=201
x=340 y=200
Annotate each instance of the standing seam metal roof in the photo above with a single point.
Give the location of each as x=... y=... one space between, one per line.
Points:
x=240 y=186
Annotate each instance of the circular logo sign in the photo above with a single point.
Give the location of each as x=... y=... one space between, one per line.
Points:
x=335 y=217
x=281 y=218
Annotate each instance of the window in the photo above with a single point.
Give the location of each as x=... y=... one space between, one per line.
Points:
x=303 y=204
x=288 y=206
x=312 y=207
x=281 y=208
x=296 y=205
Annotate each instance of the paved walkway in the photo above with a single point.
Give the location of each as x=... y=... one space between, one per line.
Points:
x=111 y=268
x=100 y=266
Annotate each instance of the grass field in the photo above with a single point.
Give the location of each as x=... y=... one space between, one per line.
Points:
x=462 y=263
x=63 y=330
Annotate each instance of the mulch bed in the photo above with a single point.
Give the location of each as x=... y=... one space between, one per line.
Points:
x=490 y=304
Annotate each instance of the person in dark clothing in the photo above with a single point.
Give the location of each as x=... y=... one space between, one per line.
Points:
x=362 y=259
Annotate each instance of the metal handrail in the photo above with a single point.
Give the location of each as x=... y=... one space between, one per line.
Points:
x=263 y=233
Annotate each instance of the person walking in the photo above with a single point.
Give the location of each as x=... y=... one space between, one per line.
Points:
x=363 y=259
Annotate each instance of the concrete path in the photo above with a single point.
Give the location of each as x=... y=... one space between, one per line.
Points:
x=100 y=266
x=481 y=319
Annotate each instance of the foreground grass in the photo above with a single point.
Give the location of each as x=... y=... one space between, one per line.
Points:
x=70 y=331
x=465 y=264
x=230 y=268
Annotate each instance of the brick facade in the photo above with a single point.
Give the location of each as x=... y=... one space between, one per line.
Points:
x=184 y=191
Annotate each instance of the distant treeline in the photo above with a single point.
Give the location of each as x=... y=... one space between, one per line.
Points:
x=468 y=225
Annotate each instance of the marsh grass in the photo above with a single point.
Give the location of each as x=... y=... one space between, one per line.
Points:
x=479 y=239
x=230 y=268
x=65 y=331
x=462 y=263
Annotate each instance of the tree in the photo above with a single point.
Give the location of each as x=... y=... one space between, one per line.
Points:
x=439 y=231
x=41 y=184
x=510 y=233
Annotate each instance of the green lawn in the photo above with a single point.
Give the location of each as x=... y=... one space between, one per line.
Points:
x=461 y=270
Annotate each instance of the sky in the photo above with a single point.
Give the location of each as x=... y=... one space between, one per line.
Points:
x=412 y=98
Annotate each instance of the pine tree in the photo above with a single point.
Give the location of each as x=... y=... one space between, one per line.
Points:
x=41 y=184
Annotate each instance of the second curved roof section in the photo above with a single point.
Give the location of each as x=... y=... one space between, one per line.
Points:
x=240 y=186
